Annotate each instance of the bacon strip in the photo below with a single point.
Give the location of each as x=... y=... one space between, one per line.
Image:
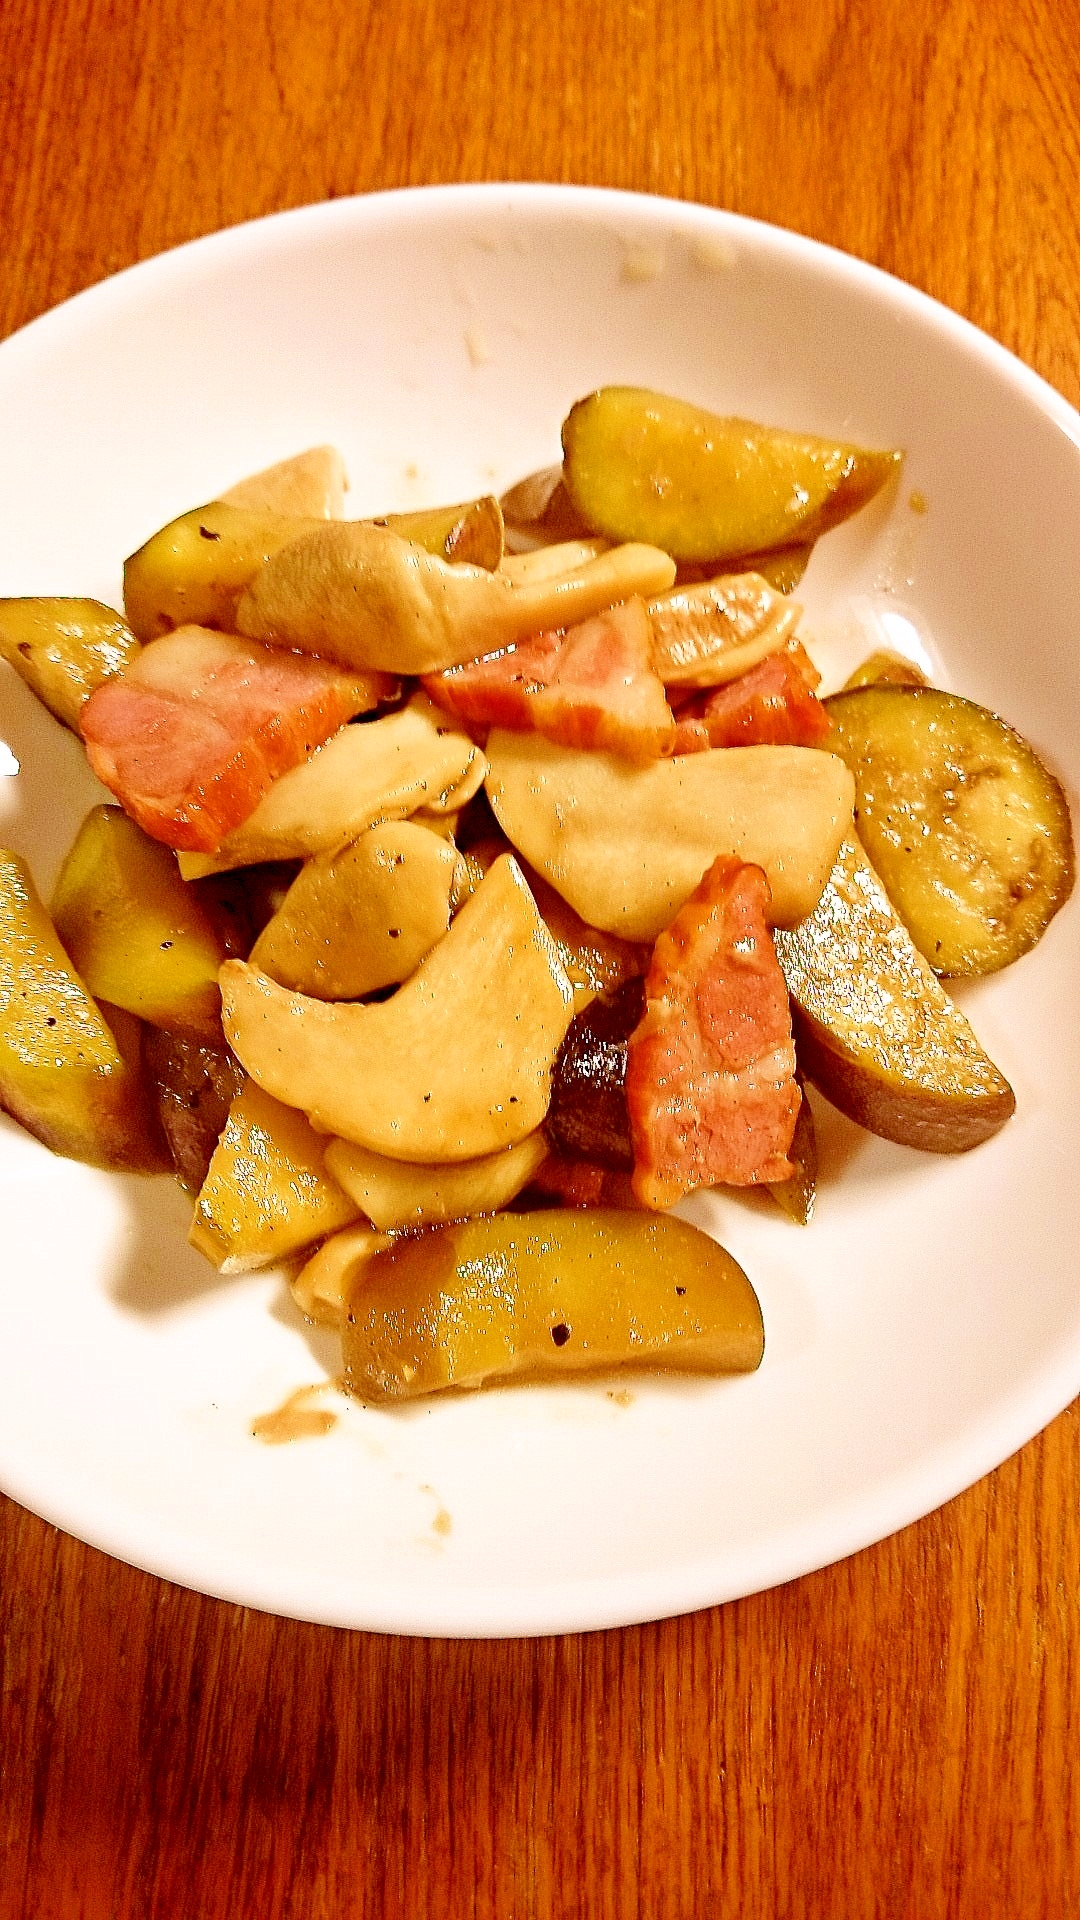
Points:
x=592 y=686
x=710 y=1076
x=195 y=732
x=772 y=704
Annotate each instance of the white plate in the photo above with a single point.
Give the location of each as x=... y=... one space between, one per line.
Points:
x=928 y=1322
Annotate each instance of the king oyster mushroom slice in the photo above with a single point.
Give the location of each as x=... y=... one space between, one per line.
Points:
x=457 y=1063
x=401 y=1193
x=323 y=1287
x=548 y=563
x=626 y=845
x=360 y=594
x=711 y=631
x=379 y=770
x=364 y=918
x=312 y=483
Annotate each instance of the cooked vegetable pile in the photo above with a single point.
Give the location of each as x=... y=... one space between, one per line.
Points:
x=485 y=880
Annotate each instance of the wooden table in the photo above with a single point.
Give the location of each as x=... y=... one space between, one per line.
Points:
x=888 y=1737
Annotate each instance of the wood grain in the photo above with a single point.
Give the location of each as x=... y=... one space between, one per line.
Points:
x=890 y=1737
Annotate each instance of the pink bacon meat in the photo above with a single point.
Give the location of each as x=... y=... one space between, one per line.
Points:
x=592 y=686
x=710 y=1076
x=195 y=732
x=772 y=704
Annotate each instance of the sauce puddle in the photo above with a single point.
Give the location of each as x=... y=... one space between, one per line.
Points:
x=296 y=1418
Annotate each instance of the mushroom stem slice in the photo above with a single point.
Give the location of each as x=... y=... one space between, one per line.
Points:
x=457 y=1063
x=326 y=1282
x=547 y=563
x=360 y=594
x=626 y=845
x=400 y=1193
x=710 y=632
x=312 y=483
x=355 y=921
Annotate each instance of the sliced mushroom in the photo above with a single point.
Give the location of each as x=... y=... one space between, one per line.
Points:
x=362 y=595
x=708 y=633
x=400 y=1193
x=380 y=770
x=363 y=918
x=309 y=483
x=324 y=1285
x=547 y=563
x=457 y=1063
x=626 y=845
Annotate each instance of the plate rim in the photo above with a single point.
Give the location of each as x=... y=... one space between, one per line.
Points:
x=386 y=201
x=589 y=1603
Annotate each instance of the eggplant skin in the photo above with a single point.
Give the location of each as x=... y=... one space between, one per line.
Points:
x=588 y=1118
x=874 y=1028
x=930 y=1119
x=195 y=1084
